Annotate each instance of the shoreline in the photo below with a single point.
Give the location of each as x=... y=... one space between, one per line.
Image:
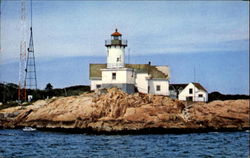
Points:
x=90 y=131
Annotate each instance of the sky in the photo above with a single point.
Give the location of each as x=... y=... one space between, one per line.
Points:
x=209 y=36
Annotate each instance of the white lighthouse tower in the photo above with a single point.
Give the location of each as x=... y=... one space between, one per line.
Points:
x=116 y=50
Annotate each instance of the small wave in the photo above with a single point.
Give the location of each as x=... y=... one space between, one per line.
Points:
x=53 y=145
x=214 y=132
x=6 y=134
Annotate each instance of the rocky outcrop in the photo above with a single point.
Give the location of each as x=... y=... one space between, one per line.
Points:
x=116 y=111
x=217 y=114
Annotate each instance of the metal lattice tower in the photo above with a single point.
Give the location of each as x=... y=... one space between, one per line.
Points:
x=30 y=75
x=22 y=61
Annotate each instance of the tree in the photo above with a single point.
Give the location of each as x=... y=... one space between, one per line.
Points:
x=48 y=89
x=49 y=86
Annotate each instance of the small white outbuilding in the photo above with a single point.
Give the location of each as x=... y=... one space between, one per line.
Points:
x=194 y=92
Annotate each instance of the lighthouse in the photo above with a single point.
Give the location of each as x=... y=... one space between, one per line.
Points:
x=116 y=50
x=145 y=78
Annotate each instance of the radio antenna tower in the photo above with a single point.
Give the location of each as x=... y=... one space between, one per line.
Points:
x=30 y=75
x=22 y=84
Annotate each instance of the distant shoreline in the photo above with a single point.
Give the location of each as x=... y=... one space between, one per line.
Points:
x=145 y=131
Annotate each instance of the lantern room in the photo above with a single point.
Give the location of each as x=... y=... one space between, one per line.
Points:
x=116 y=40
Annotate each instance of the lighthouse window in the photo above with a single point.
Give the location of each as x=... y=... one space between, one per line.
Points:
x=113 y=76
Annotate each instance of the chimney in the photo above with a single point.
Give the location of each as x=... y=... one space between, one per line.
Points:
x=149 y=63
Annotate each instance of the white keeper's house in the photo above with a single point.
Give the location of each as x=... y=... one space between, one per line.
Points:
x=145 y=78
x=194 y=92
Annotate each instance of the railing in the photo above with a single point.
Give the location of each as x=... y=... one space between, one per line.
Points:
x=116 y=42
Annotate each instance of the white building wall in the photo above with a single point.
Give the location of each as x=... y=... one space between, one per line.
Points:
x=195 y=95
x=204 y=97
x=122 y=76
x=93 y=83
x=141 y=82
x=115 y=57
x=131 y=75
x=164 y=87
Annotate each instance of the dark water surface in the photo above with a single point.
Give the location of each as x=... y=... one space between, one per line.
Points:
x=17 y=143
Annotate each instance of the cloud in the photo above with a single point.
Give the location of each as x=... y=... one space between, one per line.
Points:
x=76 y=28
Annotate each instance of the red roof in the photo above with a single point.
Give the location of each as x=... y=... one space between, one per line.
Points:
x=116 y=33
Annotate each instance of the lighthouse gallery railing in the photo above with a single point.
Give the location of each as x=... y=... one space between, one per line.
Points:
x=116 y=42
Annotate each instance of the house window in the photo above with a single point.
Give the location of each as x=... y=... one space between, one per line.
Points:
x=113 y=76
x=158 y=88
x=98 y=86
x=200 y=95
x=190 y=91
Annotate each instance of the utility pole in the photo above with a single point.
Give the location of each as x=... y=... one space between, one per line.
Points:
x=22 y=84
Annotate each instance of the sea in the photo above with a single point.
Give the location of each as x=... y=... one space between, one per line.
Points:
x=19 y=143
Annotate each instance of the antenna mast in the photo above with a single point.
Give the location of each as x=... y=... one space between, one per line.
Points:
x=30 y=75
x=129 y=56
x=194 y=75
x=22 y=84
x=0 y=27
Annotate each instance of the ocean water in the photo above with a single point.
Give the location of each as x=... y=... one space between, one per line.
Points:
x=17 y=143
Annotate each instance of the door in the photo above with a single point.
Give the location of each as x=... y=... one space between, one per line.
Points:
x=189 y=98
